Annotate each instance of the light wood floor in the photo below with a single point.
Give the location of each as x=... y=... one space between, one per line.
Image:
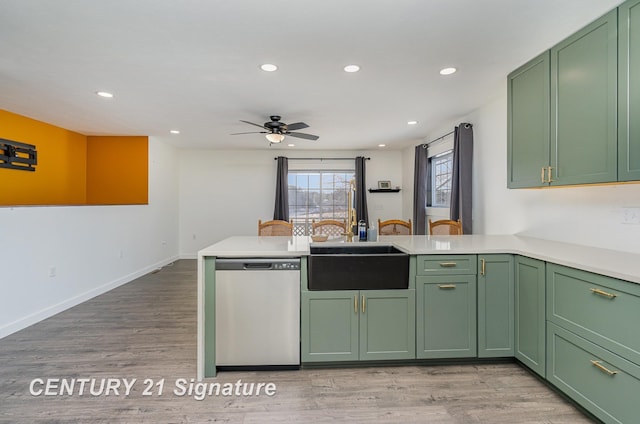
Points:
x=146 y=330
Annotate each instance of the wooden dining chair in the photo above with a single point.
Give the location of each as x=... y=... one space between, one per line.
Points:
x=394 y=227
x=330 y=227
x=444 y=227
x=275 y=228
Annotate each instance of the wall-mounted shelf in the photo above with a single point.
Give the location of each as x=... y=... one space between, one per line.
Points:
x=384 y=190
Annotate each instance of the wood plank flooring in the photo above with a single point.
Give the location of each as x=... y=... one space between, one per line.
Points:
x=147 y=330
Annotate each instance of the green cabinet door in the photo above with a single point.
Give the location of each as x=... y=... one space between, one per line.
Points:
x=446 y=316
x=629 y=91
x=584 y=105
x=495 y=306
x=352 y=325
x=528 y=123
x=387 y=324
x=530 y=313
x=329 y=325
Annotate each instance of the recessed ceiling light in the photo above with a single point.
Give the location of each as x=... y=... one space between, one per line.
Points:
x=268 y=67
x=291 y=145
x=351 y=68
x=382 y=145
x=104 y=94
x=447 y=71
x=174 y=132
x=412 y=122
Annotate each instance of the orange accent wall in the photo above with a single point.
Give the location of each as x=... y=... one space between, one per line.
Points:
x=74 y=169
x=117 y=170
x=59 y=178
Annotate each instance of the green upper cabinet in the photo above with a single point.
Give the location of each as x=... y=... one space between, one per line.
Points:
x=562 y=123
x=584 y=105
x=629 y=91
x=528 y=123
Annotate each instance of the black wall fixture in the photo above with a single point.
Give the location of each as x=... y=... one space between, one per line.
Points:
x=17 y=155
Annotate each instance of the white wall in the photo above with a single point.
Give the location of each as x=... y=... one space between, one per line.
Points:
x=590 y=215
x=224 y=193
x=83 y=243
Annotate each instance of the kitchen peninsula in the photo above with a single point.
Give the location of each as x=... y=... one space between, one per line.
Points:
x=565 y=311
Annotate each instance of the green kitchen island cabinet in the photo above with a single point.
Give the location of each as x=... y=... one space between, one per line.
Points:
x=446 y=306
x=352 y=325
x=495 y=306
x=530 y=313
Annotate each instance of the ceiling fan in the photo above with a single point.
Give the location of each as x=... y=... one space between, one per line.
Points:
x=276 y=130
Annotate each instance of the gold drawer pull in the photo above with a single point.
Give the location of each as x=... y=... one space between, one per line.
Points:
x=447 y=286
x=604 y=293
x=364 y=304
x=355 y=304
x=603 y=368
x=448 y=264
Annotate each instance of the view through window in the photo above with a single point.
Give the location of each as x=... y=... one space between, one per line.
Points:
x=442 y=170
x=317 y=195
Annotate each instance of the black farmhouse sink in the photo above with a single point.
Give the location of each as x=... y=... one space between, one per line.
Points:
x=357 y=267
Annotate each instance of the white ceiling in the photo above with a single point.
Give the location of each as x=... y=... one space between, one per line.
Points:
x=193 y=65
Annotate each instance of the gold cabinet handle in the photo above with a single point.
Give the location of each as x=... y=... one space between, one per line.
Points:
x=604 y=293
x=602 y=368
x=355 y=304
x=542 y=175
x=364 y=304
x=447 y=286
x=550 y=180
x=482 y=266
x=448 y=264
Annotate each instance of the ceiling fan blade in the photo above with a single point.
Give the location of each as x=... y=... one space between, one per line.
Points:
x=303 y=135
x=251 y=123
x=297 y=126
x=251 y=132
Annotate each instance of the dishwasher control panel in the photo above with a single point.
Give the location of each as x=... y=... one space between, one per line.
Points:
x=286 y=266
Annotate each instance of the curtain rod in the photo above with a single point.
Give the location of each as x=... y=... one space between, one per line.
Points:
x=321 y=159
x=443 y=136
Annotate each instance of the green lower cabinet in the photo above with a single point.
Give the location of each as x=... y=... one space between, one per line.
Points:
x=495 y=306
x=446 y=316
x=530 y=313
x=356 y=325
x=605 y=384
x=387 y=324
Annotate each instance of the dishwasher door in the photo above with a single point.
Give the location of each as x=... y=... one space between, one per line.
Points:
x=258 y=312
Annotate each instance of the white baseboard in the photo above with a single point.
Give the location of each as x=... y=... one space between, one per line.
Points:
x=47 y=312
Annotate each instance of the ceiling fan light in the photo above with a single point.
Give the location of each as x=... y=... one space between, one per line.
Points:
x=275 y=138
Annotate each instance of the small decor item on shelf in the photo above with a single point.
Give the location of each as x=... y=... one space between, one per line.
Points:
x=384 y=185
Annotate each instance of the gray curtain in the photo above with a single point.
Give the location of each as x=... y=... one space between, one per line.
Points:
x=461 y=187
x=421 y=189
x=361 y=191
x=281 y=210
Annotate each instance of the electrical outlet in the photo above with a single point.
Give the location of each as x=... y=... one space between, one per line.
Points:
x=52 y=271
x=631 y=216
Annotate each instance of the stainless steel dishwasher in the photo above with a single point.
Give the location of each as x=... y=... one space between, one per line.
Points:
x=258 y=313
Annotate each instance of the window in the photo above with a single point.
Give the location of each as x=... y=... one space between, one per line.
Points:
x=319 y=194
x=441 y=173
x=439 y=193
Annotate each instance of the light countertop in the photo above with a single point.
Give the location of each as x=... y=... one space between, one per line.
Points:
x=622 y=265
